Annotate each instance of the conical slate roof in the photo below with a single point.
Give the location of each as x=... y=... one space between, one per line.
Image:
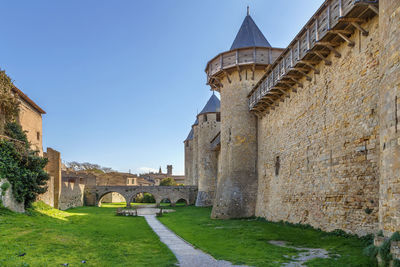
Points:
x=212 y=105
x=249 y=35
x=190 y=136
x=196 y=122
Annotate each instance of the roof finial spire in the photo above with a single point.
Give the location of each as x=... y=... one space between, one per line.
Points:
x=248 y=11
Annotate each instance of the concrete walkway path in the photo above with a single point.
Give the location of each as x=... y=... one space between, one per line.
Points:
x=186 y=254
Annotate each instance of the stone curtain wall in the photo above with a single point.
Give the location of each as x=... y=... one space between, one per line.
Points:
x=71 y=195
x=48 y=196
x=326 y=138
x=389 y=24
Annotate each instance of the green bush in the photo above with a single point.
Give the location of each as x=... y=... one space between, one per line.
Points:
x=145 y=198
x=4 y=187
x=22 y=167
x=167 y=182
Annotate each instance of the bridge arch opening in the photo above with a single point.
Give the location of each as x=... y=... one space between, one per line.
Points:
x=112 y=199
x=181 y=202
x=165 y=202
x=143 y=198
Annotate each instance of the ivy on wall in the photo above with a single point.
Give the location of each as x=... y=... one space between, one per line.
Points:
x=9 y=103
x=22 y=166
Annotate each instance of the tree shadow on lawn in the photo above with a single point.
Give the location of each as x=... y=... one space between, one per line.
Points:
x=95 y=235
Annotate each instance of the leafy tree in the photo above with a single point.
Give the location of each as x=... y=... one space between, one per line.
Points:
x=167 y=182
x=9 y=103
x=22 y=166
x=86 y=166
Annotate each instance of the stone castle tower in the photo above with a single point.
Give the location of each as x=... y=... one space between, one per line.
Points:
x=310 y=134
x=200 y=158
x=208 y=127
x=234 y=73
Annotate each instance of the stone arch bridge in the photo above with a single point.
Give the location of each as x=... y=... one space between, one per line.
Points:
x=173 y=193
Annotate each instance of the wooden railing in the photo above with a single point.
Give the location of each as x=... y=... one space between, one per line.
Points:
x=241 y=56
x=324 y=21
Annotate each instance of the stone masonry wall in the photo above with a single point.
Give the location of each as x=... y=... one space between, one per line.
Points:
x=72 y=195
x=189 y=162
x=53 y=168
x=389 y=115
x=207 y=159
x=195 y=172
x=8 y=200
x=318 y=151
x=31 y=122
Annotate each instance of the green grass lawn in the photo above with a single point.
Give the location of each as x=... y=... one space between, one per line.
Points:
x=245 y=241
x=123 y=204
x=51 y=237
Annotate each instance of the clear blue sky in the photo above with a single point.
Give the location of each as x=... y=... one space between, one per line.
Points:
x=121 y=81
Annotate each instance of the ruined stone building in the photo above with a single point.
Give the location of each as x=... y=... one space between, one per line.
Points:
x=309 y=133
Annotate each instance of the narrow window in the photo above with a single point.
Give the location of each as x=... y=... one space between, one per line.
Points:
x=205 y=117
x=218 y=116
x=277 y=165
x=38 y=136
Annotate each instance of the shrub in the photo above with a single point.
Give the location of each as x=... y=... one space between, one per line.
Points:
x=148 y=198
x=371 y=251
x=167 y=182
x=9 y=104
x=22 y=167
x=4 y=187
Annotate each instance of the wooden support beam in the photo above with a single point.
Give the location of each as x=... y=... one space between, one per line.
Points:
x=332 y=44
x=290 y=83
x=298 y=83
x=341 y=31
x=293 y=76
x=238 y=70
x=227 y=76
x=344 y=37
x=352 y=20
x=283 y=92
x=304 y=61
x=361 y=29
x=300 y=68
x=327 y=61
x=374 y=8
x=330 y=47
x=253 y=68
x=302 y=72
x=316 y=71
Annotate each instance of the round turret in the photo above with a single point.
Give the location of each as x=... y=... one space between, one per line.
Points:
x=208 y=127
x=233 y=74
